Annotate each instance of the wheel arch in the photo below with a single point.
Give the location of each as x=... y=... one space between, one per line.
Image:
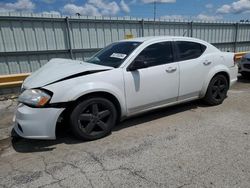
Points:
x=102 y=94
x=224 y=73
x=218 y=70
x=65 y=114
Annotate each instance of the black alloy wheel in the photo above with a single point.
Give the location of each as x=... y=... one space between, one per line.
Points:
x=93 y=118
x=217 y=90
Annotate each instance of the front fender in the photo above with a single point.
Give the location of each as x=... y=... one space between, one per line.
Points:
x=210 y=75
x=76 y=90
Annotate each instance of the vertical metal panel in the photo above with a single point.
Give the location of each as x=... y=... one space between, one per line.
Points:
x=135 y=29
x=30 y=37
x=92 y=35
x=43 y=59
x=2 y=49
x=120 y=28
x=89 y=54
x=20 y=44
x=13 y=64
x=40 y=36
x=206 y=33
x=146 y=33
x=49 y=35
x=4 y=68
x=151 y=29
x=107 y=33
x=127 y=29
x=34 y=63
x=114 y=31
x=24 y=64
x=60 y=33
x=248 y=32
x=84 y=35
x=162 y=30
x=243 y=47
x=78 y=56
x=156 y=29
x=51 y=56
x=8 y=39
x=100 y=35
x=76 y=36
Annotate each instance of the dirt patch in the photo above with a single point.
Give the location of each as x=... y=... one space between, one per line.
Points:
x=4 y=144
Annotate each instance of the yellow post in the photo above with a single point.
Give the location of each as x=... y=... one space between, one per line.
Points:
x=129 y=36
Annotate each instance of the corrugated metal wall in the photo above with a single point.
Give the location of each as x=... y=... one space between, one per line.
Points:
x=28 y=41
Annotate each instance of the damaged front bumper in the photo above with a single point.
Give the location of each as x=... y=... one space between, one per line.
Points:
x=36 y=123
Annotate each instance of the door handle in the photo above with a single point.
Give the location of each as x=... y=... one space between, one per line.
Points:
x=171 y=69
x=207 y=62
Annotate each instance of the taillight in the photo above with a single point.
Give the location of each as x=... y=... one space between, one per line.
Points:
x=235 y=59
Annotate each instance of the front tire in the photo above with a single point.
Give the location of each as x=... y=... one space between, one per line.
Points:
x=93 y=118
x=217 y=90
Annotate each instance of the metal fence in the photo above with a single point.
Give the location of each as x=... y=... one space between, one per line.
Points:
x=27 y=41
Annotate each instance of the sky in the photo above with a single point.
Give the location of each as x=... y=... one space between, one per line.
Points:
x=211 y=10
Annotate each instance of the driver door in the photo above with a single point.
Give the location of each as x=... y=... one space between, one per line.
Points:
x=154 y=84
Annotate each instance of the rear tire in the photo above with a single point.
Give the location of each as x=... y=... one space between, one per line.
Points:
x=217 y=90
x=93 y=118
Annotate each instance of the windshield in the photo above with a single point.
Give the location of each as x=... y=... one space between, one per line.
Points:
x=114 y=54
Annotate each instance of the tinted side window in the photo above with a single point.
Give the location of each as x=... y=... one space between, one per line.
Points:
x=190 y=50
x=157 y=54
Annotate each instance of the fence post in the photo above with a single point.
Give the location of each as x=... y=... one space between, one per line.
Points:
x=236 y=36
x=191 y=29
x=69 y=37
x=142 y=27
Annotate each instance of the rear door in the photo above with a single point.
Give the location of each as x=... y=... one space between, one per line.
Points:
x=194 y=66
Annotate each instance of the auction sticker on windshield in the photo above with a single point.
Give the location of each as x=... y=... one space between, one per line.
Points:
x=118 y=55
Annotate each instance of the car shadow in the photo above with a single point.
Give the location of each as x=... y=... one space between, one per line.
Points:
x=159 y=113
x=66 y=137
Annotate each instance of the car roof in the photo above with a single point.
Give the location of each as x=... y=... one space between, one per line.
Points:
x=157 y=38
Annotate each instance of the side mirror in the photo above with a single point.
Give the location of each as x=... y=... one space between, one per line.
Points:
x=137 y=64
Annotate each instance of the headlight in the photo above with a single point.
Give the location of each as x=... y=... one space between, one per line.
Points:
x=34 y=97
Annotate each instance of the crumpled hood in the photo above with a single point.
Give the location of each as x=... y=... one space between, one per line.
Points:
x=59 y=69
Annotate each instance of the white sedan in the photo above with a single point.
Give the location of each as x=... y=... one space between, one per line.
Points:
x=123 y=79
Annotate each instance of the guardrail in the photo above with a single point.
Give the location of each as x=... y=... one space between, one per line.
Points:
x=12 y=80
x=239 y=55
x=15 y=80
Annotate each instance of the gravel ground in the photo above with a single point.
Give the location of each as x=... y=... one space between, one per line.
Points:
x=189 y=145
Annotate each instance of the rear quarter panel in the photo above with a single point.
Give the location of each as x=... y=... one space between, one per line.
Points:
x=222 y=62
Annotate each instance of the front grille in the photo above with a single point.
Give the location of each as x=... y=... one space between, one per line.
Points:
x=246 y=66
